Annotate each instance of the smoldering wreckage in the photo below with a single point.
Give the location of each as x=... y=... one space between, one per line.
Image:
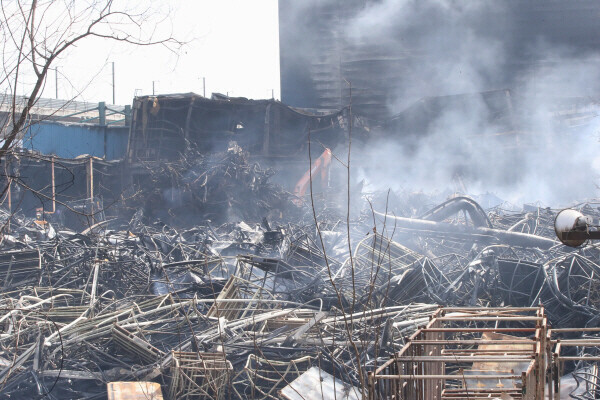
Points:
x=186 y=273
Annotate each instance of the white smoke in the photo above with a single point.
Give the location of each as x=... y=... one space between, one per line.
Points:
x=545 y=150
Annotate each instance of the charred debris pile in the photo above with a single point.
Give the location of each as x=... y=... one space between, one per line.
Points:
x=244 y=309
x=189 y=272
x=224 y=186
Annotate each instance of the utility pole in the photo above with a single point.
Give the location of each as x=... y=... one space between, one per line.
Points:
x=113 y=81
x=204 y=86
x=152 y=88
x=56 y=81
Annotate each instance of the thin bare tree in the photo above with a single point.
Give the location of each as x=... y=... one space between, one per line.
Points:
x=36 y=33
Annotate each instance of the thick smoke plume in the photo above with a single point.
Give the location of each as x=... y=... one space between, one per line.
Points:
x=534 y=139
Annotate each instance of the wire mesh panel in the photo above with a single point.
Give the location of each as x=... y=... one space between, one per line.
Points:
x=251 y=296
x=199 y=375
x=263 y=378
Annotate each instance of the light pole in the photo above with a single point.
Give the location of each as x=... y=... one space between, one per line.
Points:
x=203 y=86
x=113 y=81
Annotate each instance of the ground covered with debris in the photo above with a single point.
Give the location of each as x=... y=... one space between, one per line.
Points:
x=260 y=298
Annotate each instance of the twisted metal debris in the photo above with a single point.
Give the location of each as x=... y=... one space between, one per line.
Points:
x=242 y=309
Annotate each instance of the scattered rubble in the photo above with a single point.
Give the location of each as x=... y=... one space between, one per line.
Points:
x=222 y=308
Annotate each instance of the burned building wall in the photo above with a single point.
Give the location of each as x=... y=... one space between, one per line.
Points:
x=173 y=126
x=191 y=157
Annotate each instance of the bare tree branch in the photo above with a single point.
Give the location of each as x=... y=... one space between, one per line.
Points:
x=38 y=42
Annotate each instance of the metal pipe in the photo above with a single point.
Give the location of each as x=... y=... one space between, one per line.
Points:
x=456 y=204
x=444 y=330
x=53 y=187
x=489 y=318
x=91 y=177
x=9 y=204
x=474 y=341
x=432 y=228
x=468 y=359
x=446 y=377
x=488 y=309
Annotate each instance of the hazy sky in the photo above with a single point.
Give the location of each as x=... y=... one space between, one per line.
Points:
x=233 y=43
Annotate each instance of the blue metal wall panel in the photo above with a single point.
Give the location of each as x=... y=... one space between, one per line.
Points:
x=72 y=140
x=116 y=142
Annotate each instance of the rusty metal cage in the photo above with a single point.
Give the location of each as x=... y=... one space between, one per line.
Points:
x=469 y=353
x=581 y=355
